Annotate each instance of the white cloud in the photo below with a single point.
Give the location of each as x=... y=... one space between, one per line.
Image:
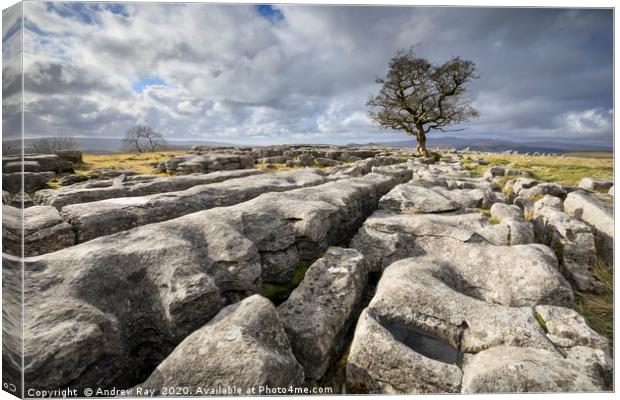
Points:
x=589 y=122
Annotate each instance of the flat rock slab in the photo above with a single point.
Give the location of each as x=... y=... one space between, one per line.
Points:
x=132 y=186
x=105 y=217
x=319 y=311
x=416 y=199
x=244 y=347
x=387 y=236
x=43 y=230
x=523 y=369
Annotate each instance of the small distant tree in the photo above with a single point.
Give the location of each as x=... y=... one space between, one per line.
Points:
x=143 y=139
x=50 y=145
x=418 y=97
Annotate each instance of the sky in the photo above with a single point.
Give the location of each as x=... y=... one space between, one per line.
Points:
x=262 y=74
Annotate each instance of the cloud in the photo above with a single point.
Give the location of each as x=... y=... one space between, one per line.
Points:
x=589 y=122
x=286 y=73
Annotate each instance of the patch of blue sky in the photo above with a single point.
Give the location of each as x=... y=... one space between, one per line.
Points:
x=85 y=12
x=140 y=85
x=269 y=12
x=32 y=27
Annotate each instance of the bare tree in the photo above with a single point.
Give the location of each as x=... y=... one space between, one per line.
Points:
x=143 y=139
x=50 y=145
x=418 y=97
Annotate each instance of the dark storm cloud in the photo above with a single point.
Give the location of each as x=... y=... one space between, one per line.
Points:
x=303 y=73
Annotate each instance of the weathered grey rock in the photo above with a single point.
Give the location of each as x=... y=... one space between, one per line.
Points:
x=326 y=162
x=129 y=298
x=12 y=313
x=549 y=201
x=131 y=186
x=274 y=160
x=279 y=267
x=413 y=198
x=380 y=363
x=32 y=181
x=517 y=172
x=473 y=198
x=596 y=185
x=519 y=369
x=105 y=217
x=244 y=347
x=293 y=163
x=110 y=173
x=320 y=310
x=497 y=170
x=6 y=197
x=17 y=166
x=520 y=184
x=427 y=310
x=542 y=189
x=572 y=241
x=501 y=211
x=47 y=162
x=386 y=237
x=363 y=167
x=209 y=162
x=44 y=231
x=21 y=200
x=599 y=215
x=306 y=160
x=567 y=328
x=519 y=231
x=72 y=179
x=526 y=205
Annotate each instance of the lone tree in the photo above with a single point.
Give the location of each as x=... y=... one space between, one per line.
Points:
x=417 y=96
x=143 y=139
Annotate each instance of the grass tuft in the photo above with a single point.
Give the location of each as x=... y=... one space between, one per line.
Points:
x=141 y=163
x=598 y=308
x=541 y=322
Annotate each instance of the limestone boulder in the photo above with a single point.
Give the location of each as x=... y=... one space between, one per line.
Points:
x=416 y=199
x=320 y=310
x=32 y=181
x=597 y=213
x=43 y=231
x=518 y=369
x=596 y=185
x=500 y=211
x=244 y=346
x=566 y=328
x=572 y=241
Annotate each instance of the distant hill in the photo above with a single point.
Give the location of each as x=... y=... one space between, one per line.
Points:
x=497 y=145
x=114 y=145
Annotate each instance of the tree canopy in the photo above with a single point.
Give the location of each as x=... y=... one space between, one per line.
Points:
x=143 y=139
x=417 y=96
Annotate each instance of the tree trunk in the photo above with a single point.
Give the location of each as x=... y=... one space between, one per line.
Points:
x=421 y=146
